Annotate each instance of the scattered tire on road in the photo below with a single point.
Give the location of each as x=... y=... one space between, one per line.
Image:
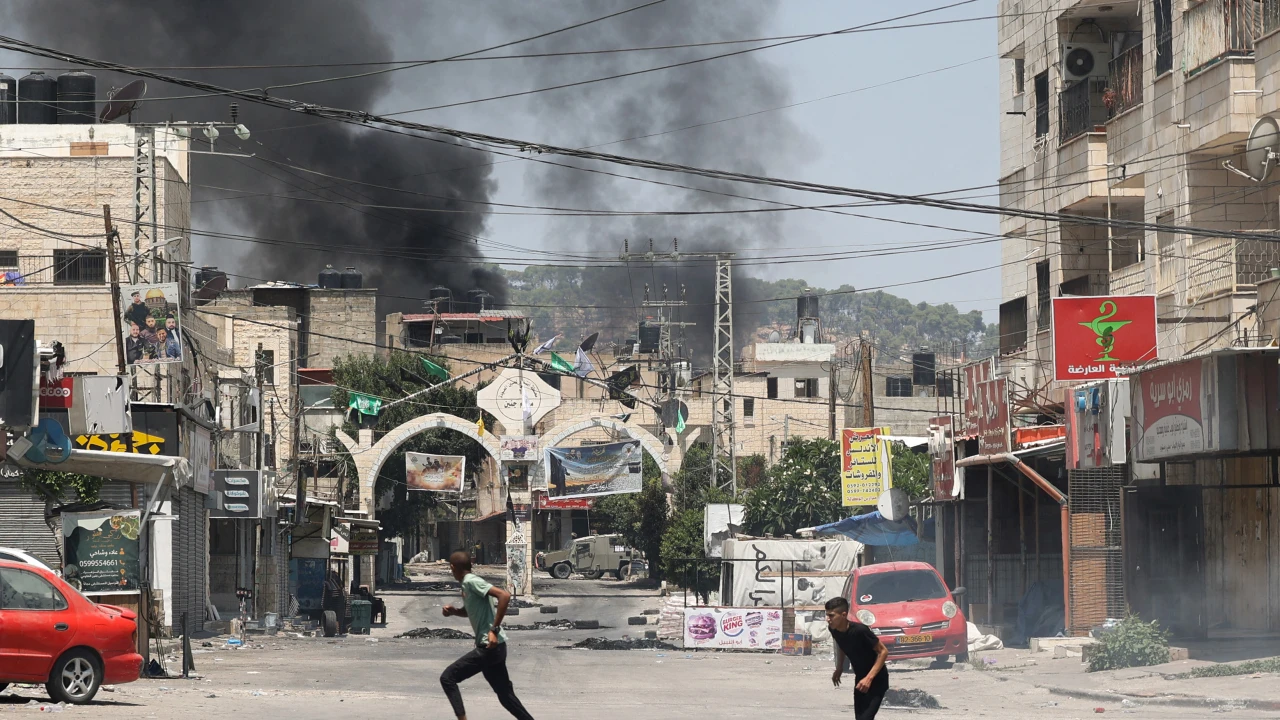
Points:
x=513 y=610
x=549 y=609
x=651 y=611
x=638 y=620
x=586 y=624
x=650 y=634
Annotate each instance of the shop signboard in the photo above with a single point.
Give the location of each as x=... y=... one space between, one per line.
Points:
x=733 y=628
x=974 y=375
x=993 y=417
x=363 y=541
x=55 y=395
x=100 y=551
x=1170 y=410
x=237 y=493
x=550 y=503
x=942 y=454
x=1094 y=337
x=865 y=467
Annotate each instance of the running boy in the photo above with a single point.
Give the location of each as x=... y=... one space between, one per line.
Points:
x=866 y=654
x=490 y=655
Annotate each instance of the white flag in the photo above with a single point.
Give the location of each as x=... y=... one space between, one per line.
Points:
x=582 y=367
x=525 y=405
x=546 y=345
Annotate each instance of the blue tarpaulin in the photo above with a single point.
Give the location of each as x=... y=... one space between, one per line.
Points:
x=873 y=529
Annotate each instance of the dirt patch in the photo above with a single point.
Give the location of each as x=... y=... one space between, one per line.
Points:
x=437 y=634
x=628 y=644
x=911 y=698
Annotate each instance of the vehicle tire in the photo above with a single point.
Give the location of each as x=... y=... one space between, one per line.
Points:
x=75 y=678
x=561 y=571
x=962 y=657
x=622 y=570
x=330 y=623
x=3 y=686
x=593 y=575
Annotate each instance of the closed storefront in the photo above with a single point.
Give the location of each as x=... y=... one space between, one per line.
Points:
x=190 y=551
x=22 y=523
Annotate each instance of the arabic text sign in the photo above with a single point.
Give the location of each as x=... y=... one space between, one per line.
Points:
x=1168 y=409
x=864 y=465
x=434 y=473
x=942 y=453
x=595 y=470
x=101 y=551
x=1094 y=336
x=973 y=375
x=993 y=417
x=239 y=492
x=733 y=628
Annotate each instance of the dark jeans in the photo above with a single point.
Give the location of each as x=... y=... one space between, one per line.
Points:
x=867 y=704
x=491 y=663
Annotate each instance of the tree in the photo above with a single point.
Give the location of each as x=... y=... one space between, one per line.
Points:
x=911 y=472
x=683 y=559
x=641 y=518
x=802 y=490
x=399 y=375
x=691 y=486
x=54 y=485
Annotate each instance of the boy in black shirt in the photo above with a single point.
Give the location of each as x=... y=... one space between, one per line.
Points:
x=866 y=654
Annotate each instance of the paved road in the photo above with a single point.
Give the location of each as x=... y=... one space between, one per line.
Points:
x=356 y=677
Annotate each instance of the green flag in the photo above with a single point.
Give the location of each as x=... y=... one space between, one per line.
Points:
x=364 y=404
x=434 y=370
x=679 y=421
x=559 y=363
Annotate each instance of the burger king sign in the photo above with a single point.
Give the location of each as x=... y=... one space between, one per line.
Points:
x=733 y=628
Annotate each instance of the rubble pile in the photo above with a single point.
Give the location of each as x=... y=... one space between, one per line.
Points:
x=599 y=643
x=901 y=697
x=437 y=634
x=541 y=625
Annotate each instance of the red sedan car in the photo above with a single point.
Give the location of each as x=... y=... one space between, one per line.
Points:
x=51 y=634
x=910 y=608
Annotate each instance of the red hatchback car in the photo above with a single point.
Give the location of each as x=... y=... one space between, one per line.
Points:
x=51 y=634
x=910 y=608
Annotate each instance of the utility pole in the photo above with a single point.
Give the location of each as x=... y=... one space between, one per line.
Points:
x=831 y=404
x=117 y=318
x=868 y=401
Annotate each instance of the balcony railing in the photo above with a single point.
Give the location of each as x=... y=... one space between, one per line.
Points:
x=67 y=267
x=1218 y=266
x=1217 y=29
x=1129 y=280
x=1081 y=109
x=1124 y=86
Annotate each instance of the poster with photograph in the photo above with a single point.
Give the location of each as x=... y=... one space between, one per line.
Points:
x=150 y=324
x=434 y=473
x=101 y=551
x=595 y=470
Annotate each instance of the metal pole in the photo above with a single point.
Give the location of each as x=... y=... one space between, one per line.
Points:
x=991 y=574
x=831 y=404
x=1022 y=535
x=868 y=394
x=117 y=318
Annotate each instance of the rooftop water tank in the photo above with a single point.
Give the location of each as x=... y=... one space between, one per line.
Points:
x=38 y=99
x=352 y=279
x=442 y=298
x=807 y=305
x=330 y=278
x=77 y=98
x=8 y=100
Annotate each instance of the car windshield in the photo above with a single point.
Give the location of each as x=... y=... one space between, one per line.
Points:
x=898 y=586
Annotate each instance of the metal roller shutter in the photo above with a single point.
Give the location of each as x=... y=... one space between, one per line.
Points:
x=117 y=493
x=22 y=524
x=190 y=558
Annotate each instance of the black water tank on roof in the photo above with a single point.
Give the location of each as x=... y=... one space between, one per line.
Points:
x=450 y=339
x=923 y=368
x=8 y=100
x=77 y=98
x=38 y=99
x=650 y=337
x=352 y=279
x=330 y=278
x=807 y=305
x=473 y=301
x=442 y=297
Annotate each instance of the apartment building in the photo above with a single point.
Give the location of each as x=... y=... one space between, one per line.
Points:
x=1133 y=110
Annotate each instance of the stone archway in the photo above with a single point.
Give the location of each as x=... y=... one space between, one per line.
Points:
x=369 y=457
x=660 y=453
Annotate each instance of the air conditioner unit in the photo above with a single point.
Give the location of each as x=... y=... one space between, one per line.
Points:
x=1085 y=60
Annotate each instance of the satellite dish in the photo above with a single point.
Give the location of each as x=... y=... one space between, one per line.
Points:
x=1261 y=148
x=672 y=412
x=892 y=505
x=124 y=101
x=775 y=337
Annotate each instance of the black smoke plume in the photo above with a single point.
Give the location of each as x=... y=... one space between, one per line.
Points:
x=403 y=253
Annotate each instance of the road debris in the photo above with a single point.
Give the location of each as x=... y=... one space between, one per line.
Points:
x=542 y=625
x=436 y=634
x=906 y=697
x=600 y=643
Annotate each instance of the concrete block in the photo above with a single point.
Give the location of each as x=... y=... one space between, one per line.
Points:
x=1047 y=644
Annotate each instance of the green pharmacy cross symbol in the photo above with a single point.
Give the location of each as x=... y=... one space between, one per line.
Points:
x=1105 y=328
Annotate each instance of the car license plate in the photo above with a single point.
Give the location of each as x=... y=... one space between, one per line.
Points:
x=905 y=639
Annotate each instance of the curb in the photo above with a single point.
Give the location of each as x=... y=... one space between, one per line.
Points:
x=1186 y=701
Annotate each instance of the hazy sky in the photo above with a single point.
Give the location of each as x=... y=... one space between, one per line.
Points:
x=926 y=134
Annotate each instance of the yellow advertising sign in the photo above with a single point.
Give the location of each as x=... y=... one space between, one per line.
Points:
x=866 y=468
x=143 y=443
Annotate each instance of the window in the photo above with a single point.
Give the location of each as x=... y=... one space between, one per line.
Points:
x=79 y=267
x=8 y=258
x=1042 y=296
x=23 y=590
x=900 y=586
x=748 y=407
x=417 y=335
x=1042 y=104
x=1013 y=326
x=806 y=387
x=771 y=388
x=897 y=386
x=1019 y=76
x=266 y=364
x=1164 y=36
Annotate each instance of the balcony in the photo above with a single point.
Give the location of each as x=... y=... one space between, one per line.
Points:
x=1223 y=266
x=1218 y=29
x=64 y=267
x=1081 y=109
x=1124 y=86
x=1129 y=280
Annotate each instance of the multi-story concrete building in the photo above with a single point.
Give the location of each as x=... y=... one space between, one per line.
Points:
x=1128 y=110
